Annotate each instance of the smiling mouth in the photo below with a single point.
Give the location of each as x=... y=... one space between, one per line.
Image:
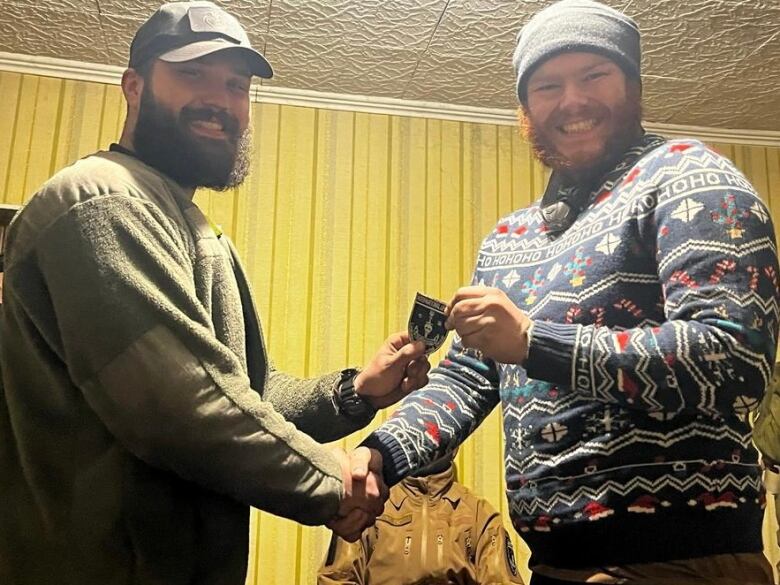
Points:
x=211 y=128
x=578 y=127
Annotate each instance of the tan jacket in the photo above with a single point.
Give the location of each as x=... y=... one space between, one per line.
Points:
x=766 y=432
x=140 y=416
x=432 y=529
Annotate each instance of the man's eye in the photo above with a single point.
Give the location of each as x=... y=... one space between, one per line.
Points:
x=240 y=86
x=546 y=87
x=189 y=72
x=595 y=75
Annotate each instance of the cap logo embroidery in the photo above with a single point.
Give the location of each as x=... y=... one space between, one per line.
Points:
x=205 y=19
x=211 y=19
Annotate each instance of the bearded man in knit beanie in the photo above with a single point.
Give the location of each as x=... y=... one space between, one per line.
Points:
x=626 y=322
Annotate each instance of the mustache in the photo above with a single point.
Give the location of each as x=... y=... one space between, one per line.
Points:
x=561 y=117
x=229 y=123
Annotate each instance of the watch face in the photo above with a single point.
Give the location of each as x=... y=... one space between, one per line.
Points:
x=350 y=403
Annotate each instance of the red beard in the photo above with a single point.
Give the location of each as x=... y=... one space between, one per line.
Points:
x=625 y=121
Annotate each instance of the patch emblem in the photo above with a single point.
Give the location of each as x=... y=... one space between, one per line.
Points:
x=509 y=551
x=426 y=323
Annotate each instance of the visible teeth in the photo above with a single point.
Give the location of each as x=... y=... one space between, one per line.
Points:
x=206 y=125
x=582 y=126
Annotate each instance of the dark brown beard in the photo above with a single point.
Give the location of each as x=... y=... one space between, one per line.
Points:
x=162 y=139
x=626 y=122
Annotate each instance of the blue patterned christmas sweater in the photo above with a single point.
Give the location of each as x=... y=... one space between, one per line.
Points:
x=655 y=323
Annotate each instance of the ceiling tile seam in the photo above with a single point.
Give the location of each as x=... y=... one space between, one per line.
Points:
x=267 y=26
x=111 y=74
x=427 y=46
x=101 y=23
x=773 y=37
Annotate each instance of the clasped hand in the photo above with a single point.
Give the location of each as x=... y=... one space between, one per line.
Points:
x=365 y=492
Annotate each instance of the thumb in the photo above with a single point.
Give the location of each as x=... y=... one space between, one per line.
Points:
x=408 y=353
x=360 y=459
x=375 y=462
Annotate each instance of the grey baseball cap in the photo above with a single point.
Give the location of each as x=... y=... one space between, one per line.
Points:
x=183 y=31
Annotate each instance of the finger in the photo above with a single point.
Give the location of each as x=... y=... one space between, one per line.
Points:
x=346 y=474
x=416 y=375
x=409 y=352
x=339 y=520
x=384 y=492
x=469 y=326
x=473 y=342
x=463 y=309
x=469 y=292
x=351 y=536
x=420 y=376
x=359 y=462
x=418 y=368
x=412 y=383
x=398 y=340
x=360 y=501
x=351 y=526
x=376 y=492
x=375 y=462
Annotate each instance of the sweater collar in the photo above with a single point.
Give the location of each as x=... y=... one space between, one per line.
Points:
x=562 y=203
x=188 y=191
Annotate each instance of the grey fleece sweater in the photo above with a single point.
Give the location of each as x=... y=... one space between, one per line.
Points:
x=139 y=416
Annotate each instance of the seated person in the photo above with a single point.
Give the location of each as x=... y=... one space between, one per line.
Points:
x=433 y=530
x=766 y=434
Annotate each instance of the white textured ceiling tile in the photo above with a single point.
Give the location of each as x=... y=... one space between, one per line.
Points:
x=253 y=11
x=667 y=100
x=141 y=9
x=119 y=33
x=707 y=62
x=368 y=22
x=485 y=28
x=86 y=6
x=359 y=69
x=253 y=14
x=39 y=31
x=734 y=109
x=340 y=84
x=474 y=82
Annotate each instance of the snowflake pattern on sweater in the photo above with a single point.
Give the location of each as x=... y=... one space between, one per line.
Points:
x=656 y=319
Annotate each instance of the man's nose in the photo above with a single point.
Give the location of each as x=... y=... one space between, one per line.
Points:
x=573 y=96
x=216 y=96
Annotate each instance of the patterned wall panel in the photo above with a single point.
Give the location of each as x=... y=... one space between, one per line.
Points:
x=344 y=217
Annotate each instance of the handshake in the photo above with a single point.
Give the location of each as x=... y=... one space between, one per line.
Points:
x=365 y=492
x=485 y=319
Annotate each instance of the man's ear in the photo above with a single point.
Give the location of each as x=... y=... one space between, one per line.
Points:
x=132 y=88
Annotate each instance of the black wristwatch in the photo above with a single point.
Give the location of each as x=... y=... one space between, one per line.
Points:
x=347 y=400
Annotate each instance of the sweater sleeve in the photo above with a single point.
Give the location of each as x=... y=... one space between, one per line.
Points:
x=430 y=423
x=309 y=404
x=139 y=345
x=716 y=259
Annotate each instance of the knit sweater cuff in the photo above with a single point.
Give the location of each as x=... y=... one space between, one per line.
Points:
x=395 y=465
x=551 y=352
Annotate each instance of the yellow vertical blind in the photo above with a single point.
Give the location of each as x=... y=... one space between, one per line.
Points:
x=344 y=217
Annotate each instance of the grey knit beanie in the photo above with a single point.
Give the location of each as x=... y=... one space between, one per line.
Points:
x=576 y=25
